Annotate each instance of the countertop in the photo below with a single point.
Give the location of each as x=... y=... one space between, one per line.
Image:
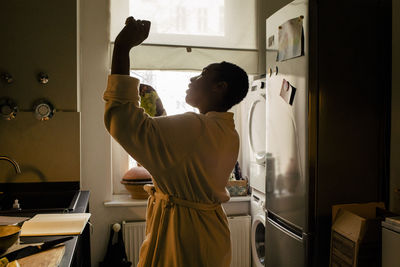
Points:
x=69 y=245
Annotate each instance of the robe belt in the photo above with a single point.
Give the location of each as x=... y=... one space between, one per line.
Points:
x=171 y=200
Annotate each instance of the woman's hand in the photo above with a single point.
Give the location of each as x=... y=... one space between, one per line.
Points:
x=133 y=34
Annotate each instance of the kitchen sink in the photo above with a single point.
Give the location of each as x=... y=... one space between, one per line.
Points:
x=43 y=202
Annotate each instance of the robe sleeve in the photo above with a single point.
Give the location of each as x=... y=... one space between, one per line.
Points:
x=156 y=143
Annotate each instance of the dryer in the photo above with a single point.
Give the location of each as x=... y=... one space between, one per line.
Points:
x=255 y=105
x=257 y=206
x=257 y=133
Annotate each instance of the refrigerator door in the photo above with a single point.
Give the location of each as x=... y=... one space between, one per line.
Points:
x=286 y=118
x=285 y=247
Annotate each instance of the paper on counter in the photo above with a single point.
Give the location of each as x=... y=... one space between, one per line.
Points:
x=55 y=224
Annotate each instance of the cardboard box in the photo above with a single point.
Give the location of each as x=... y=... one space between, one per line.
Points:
x=356 y=235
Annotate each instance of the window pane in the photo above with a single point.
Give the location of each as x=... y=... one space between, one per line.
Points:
x=205 y=17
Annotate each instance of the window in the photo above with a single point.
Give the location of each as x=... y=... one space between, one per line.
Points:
x=171 y=87
x=214 y=30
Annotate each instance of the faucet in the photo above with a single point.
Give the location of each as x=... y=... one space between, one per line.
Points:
x=13 y=162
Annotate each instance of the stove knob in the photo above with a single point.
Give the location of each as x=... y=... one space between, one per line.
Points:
x=43 y=78
x=8 y=109
x=44 y=110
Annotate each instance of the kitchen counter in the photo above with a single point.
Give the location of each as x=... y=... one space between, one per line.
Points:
x=77 y=250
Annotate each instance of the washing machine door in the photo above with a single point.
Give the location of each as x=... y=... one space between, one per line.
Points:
x=258 y=241
x=257 y=121
x=257 y=141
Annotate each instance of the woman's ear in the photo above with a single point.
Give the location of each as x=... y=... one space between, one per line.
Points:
x=221 y=87
x=220 y=92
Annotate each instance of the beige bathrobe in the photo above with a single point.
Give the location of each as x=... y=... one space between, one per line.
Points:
x=190 y=157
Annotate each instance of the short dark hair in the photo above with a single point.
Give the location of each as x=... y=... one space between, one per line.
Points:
x=237 y=80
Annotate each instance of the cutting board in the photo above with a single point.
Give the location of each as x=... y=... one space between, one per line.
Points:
x=48 y=258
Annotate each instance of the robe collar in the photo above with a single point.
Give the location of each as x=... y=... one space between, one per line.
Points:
x=228 y=116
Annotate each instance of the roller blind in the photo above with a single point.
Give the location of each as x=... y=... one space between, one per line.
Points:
x=189 y=34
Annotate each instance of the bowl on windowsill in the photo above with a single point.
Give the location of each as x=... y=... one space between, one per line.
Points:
x=134 y=180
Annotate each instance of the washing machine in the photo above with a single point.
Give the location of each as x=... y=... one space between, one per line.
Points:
x=257 y=133
x=257 y=208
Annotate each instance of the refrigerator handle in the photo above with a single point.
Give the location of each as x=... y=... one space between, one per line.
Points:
x=284 y=227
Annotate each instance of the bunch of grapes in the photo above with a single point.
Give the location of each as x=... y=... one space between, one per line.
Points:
x=148 y=103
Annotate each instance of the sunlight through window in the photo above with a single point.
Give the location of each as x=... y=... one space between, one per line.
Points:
x=205 y=17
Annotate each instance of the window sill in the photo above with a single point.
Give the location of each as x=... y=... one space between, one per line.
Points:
x=127 y=201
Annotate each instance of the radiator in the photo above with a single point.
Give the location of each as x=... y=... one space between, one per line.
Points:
x=134 y=233
x=240 y=227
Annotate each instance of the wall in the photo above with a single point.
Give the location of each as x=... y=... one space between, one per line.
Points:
x=96 y=142
x=271 y=6
x=40 y=36
x=395 y=139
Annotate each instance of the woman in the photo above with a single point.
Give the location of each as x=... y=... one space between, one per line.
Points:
x=190 y=157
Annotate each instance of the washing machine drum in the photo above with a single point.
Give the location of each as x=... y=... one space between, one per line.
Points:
x=258 y=240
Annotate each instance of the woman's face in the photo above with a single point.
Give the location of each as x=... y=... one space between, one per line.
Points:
x=200 y=92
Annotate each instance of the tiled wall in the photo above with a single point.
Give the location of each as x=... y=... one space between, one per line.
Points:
x=40 y=36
